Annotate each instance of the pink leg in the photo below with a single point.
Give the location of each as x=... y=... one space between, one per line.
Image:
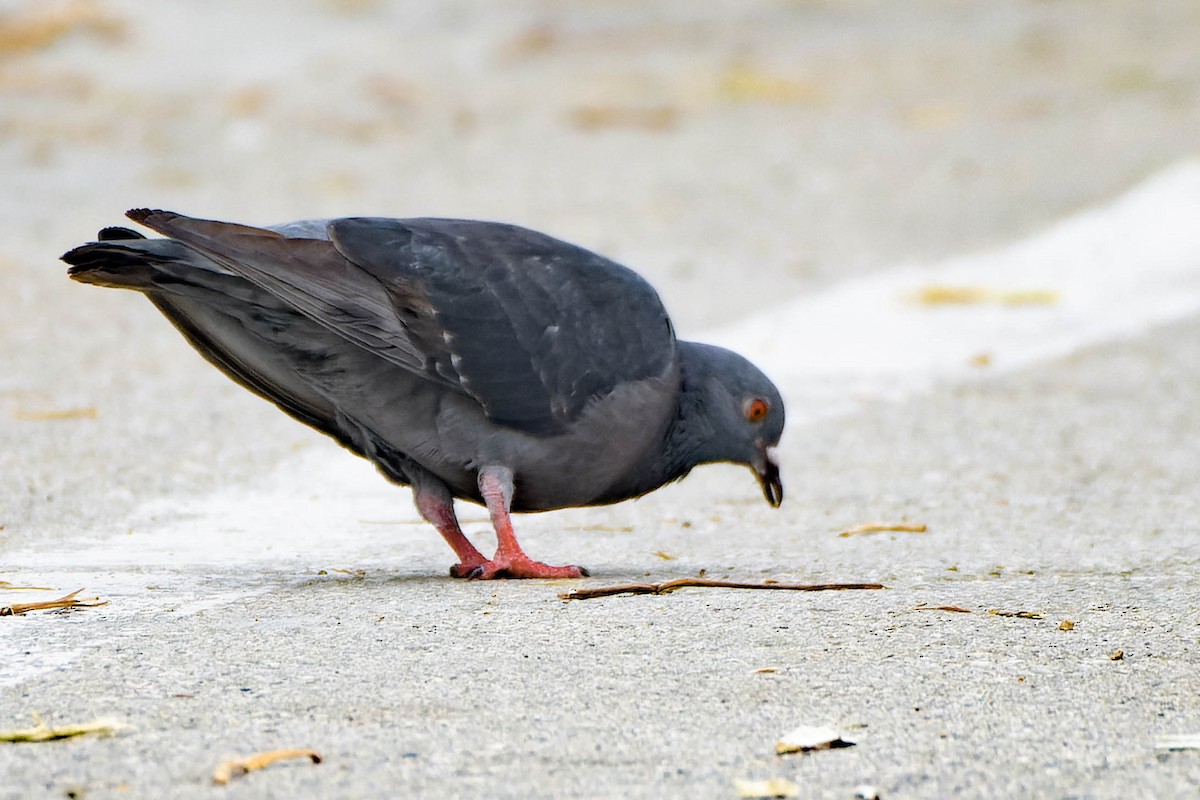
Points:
x=437 y=508
x=510 y=561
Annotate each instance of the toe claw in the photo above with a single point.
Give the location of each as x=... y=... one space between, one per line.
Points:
x=466 y=571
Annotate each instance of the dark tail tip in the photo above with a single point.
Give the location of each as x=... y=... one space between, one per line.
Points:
x=153 y=218
x=117 y=234
x=111 y=263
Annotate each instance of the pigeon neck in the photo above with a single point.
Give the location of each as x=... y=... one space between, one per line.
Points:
x=691 y=434
x=688 y=439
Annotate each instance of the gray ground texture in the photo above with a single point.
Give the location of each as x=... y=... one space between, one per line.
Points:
x=738 y=154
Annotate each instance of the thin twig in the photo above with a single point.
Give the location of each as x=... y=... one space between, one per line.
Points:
x=227 y=770
x=687 y=583
x=66 y=601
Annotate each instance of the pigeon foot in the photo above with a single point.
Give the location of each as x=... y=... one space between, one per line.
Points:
x=510 y=561
x=517 y=567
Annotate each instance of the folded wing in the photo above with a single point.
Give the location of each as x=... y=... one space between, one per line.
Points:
x=531 y=327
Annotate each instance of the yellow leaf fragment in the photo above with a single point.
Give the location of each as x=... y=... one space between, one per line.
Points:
x=772 y=787
x=44 y=733
x=1066 y=625
x=664 y=556
x=974 y=295
x=744 y=83
x=980 y=360
x=227 y=770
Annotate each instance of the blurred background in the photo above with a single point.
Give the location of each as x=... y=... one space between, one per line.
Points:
x=736 y=153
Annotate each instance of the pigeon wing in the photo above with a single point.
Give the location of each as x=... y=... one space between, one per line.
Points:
x=530 y=327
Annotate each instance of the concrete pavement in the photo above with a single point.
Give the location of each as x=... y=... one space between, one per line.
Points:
x=267 y=590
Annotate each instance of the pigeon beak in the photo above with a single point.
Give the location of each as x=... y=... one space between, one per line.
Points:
x=766 y=469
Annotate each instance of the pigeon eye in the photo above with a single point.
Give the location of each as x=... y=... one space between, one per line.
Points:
x=756 y=409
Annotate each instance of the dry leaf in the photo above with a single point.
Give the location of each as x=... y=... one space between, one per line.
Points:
x=15 y=588
x=84 y=412
x=1018 y=614
x=808 y=737
x=772 y=787
x=44 y=733
x=971 y=295
x=664 y=556
x=36 y=30
x=66 y=601
x=882 y=527
x=956 y=609
x=1118 y=655
x=1066 y=625
x=926 y=117
x=531 y=42
x=392 y=92
x=980 y=360
x=764 y=670
x=744 y=83
x=651 y=118
x=227 y=770
x=247 y=101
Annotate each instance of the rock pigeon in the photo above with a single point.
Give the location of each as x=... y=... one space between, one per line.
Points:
x=472 y=360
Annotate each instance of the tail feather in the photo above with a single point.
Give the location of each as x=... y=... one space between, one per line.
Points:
x=124 y=259
x=113 y=263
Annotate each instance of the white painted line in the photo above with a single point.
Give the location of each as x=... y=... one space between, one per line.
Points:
x=1117 y=270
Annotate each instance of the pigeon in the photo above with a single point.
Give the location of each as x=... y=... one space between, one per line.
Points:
x=469 y=360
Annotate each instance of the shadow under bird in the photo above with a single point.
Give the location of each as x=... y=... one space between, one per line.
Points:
x=471 y=360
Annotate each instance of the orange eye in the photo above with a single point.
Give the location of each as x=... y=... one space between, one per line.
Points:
x=756 y=409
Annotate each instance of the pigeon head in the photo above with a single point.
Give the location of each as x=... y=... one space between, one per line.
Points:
x=740 y=413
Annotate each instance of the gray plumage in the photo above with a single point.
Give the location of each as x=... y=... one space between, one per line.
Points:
x=466 y=359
